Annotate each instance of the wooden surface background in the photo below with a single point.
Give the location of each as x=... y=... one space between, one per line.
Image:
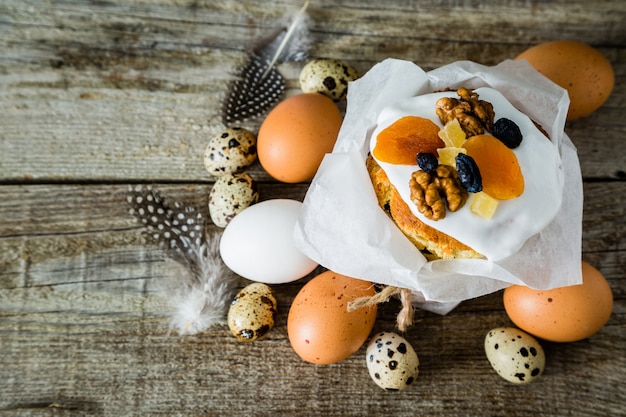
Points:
x=95 y=95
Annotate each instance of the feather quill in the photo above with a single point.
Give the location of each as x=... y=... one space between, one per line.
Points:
x=259 y=85
x=278 y=54
x=203 y=287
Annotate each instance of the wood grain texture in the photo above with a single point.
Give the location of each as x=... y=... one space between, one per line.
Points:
x=96 y=95
x=141 y=85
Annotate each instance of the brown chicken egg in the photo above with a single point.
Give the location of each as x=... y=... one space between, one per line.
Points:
x=565 y=314
x=320 y=327
x=582 y=70
x=295 y=136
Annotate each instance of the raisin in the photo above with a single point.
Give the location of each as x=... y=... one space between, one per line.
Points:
x=427 y=161
x=468 y=172
x=508 y=132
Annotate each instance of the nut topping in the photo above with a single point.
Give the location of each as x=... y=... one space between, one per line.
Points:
x=431 y=192
x=474 y=115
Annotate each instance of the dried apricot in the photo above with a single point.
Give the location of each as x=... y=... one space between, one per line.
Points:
x=405 y=138
x=501 y=173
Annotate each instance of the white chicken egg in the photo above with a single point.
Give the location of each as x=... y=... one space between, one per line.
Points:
x=257 y=244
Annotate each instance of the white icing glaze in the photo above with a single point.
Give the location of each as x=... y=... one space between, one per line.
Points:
x=515 y=220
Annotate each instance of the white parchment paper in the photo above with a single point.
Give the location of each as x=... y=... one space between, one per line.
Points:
x=342 y=227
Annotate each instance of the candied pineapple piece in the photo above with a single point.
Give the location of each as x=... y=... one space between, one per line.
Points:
x=447 y=155
x=483 y=205
x=452 y=134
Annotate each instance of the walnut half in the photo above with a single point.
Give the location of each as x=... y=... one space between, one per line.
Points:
x=474 y=115
x=432 y=192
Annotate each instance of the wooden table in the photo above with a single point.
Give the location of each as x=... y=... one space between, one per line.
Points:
x=96 y=95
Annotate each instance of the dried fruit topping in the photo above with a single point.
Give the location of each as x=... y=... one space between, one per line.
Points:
x=469 y=174
x=452 y=134
x=483 y=205
x=474 y=115
x=500 y=171
x=447 y=156
x=405 y=138
x=508 y=132
x=431 y=192
x=427 y=161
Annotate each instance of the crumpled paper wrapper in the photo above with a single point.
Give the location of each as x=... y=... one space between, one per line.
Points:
x=342 y=227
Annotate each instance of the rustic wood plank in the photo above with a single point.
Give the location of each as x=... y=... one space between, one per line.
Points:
x=95 y=95
x=82 y=308
x=70 y=211
x=116 y=342
x=110 y=91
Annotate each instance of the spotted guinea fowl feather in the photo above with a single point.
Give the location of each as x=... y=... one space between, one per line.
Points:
x=176 y=229
x=259 y=85
x=251 y=94
x=201 y=289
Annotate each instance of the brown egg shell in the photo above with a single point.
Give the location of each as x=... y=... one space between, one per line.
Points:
x=320 y=327
x=296 y=135
x=579 y=68
x=565 y=314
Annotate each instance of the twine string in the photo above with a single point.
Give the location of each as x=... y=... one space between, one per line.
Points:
x=404 y=319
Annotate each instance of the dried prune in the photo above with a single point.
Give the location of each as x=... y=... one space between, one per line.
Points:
x=508 y=132
x=427 y=161
x=468 y=172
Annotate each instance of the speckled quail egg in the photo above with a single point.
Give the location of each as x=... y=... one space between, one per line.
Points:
x=391 y=361
x=231 y=194
x=253 y=312
x=327 y=76
x=515 y=355
x=230 y=151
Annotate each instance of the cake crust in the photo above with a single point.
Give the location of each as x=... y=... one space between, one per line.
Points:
x=431 y=242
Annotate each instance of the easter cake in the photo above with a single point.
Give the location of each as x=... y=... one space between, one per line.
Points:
x=464 y=174
x=521 y=223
